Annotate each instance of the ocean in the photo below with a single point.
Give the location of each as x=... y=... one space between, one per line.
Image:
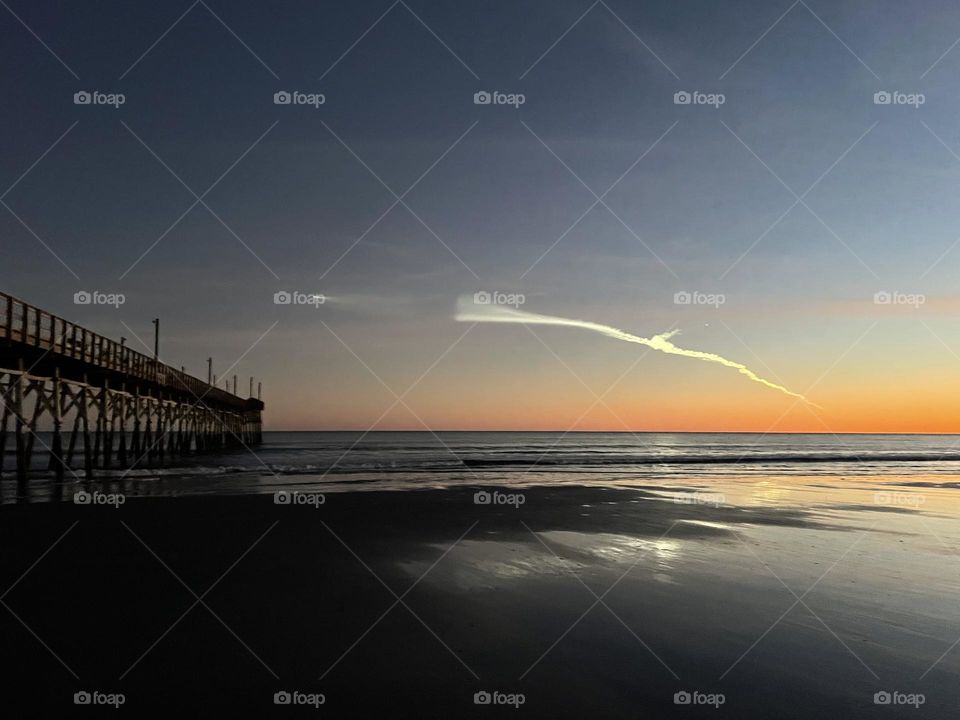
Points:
x=352 y=461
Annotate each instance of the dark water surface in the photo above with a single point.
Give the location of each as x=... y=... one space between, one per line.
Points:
x=331 y=461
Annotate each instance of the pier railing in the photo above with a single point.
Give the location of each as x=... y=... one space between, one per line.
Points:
x=23 y=323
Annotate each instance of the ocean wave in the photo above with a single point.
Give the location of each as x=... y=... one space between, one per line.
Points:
x=745 y=459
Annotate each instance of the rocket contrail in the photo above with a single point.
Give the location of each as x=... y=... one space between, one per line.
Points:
x=470 y=311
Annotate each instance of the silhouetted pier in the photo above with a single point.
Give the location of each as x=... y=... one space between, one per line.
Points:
x=126 y=408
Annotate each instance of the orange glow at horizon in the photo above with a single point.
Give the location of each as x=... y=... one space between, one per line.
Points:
x=897 y=379
x=933 y=412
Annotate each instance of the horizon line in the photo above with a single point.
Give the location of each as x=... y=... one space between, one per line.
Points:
x=618 y=432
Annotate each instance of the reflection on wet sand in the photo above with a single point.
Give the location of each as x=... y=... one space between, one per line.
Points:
x=840 y=594
x=790 y=595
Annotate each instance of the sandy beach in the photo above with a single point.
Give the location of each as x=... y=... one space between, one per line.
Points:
x=571 y=602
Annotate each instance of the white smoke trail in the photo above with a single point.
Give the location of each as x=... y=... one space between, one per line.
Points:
x=469 y=311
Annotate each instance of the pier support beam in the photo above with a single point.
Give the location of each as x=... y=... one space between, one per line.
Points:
x=56 y=454
x=163 y=425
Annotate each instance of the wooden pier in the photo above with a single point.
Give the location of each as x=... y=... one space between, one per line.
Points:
x=124 y=409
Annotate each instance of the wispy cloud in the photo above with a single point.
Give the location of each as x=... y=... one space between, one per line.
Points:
x=470 y=311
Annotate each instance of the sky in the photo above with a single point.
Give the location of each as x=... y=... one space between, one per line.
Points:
x=812 y=226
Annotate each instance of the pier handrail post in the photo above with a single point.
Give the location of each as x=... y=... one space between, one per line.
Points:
x=9 y=325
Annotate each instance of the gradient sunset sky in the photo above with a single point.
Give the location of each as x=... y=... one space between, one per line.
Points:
x=798 y=199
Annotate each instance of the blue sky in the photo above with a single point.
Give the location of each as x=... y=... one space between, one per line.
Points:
x=704 y=209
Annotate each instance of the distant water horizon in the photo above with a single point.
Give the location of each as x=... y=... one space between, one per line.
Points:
x=614 y=432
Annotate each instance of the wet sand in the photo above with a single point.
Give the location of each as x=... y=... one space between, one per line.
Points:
x=693 y=598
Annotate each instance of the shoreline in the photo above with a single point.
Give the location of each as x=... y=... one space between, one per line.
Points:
x=488 y=595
